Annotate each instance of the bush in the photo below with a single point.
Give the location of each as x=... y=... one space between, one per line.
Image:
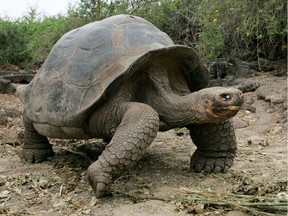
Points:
x=244 y=29
x=27 y=41
x=12 y=43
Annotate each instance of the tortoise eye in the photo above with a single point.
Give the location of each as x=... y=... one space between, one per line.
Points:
x=227 y=97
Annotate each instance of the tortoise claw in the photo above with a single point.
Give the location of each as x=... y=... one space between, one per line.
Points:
x=207 y=164
x=99 y=180
x=35 y=155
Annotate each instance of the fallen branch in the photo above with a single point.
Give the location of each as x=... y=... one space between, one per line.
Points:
x=265 y=205
x=242 y=201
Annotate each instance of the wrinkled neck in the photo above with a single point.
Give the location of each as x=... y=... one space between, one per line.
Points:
x=168 y=93
x=181 y=110
x=175 y=110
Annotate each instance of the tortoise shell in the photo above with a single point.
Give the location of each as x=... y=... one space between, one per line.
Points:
x=88 y=63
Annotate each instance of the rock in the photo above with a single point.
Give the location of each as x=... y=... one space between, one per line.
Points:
x=6 y=87
x=274 y=94
x=239 y=123
x=262 y=65
x=22 y=77
x=249 y=85
x=222 y=68
x=218 y=69
x=257 y=140
x=239 y=69
x=251 y=108
x=181 y=131
x=264 y=120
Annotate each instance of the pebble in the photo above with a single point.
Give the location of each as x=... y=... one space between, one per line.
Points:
x=257 y=140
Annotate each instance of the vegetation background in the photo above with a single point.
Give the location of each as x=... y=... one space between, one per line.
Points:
x=215 y=28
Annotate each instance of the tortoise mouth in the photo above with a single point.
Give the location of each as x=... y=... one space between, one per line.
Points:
x=223 y=111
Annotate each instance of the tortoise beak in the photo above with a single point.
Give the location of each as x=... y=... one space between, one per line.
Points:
x=234 y=108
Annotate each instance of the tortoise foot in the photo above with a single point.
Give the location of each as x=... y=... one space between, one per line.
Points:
x=36 y=155
x=208 y=164
x=99 y=180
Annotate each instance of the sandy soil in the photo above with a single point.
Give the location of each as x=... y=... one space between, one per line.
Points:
x=161 y=183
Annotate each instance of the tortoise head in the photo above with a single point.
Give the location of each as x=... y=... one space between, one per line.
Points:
x=222 y=103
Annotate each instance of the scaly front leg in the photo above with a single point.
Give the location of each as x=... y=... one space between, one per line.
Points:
x=216 y=147
x=137 y=130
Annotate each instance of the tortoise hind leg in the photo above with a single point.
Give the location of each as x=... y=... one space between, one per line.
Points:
x=137 y=130
x=216 y=147
x=36 y=147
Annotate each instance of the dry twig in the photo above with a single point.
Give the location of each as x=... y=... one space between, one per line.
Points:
x=249 y=203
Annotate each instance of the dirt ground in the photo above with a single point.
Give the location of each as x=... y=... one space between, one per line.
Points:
x=161 y=183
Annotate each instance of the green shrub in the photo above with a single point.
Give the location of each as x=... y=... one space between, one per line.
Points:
x=231 y=28
x=246 y=29
x=12 y=43
x=27 y=41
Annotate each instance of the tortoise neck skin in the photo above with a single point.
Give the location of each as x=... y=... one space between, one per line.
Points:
x=211 y=105
x=168 y=93
x=179 y=111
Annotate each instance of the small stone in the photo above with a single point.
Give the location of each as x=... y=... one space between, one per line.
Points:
x=239 y=123
x=43 y=183
x=257 y=140
x=196 y=209
x=272 y=110
x=283 y=195
x=251 y=109
x=4 y=194
x=6 y=87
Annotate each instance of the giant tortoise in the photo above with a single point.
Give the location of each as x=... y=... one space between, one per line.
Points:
x=123 y=80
